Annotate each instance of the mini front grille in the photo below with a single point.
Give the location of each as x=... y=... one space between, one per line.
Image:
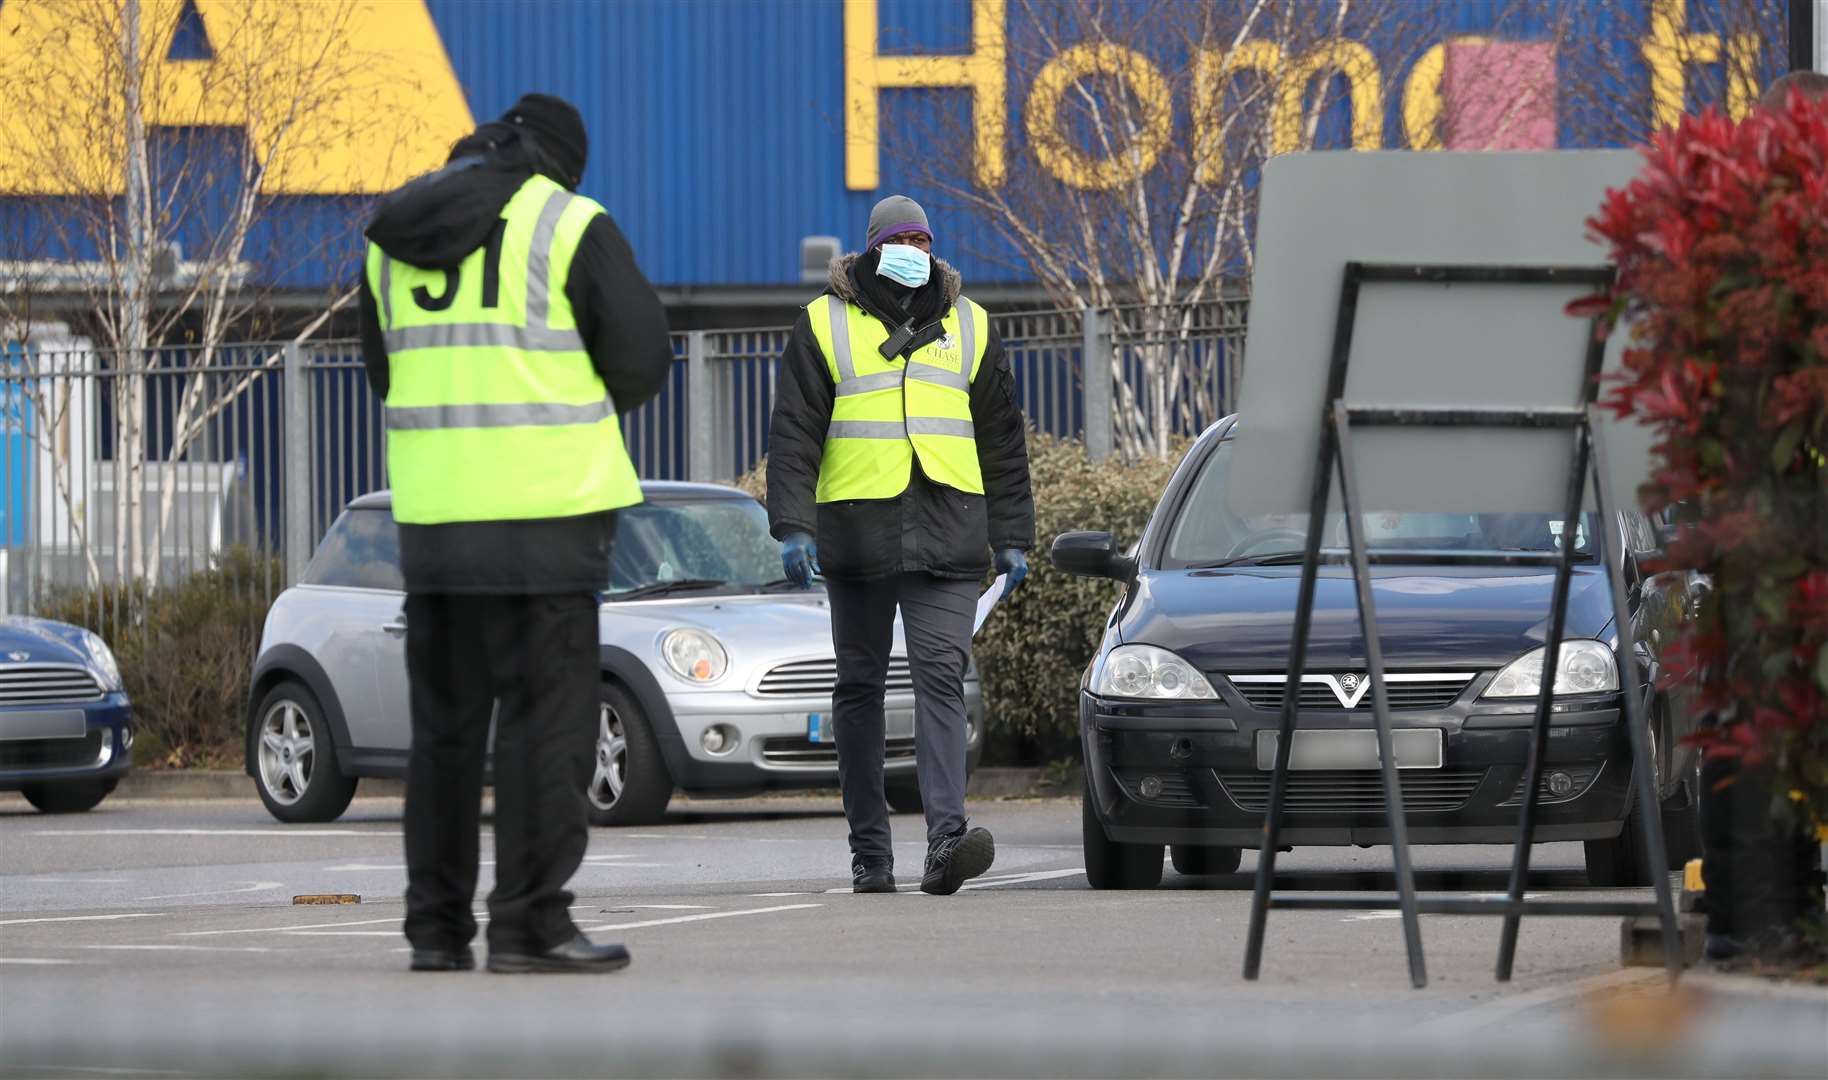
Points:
x=47 y=684
x=1581 y=775
x=1404 y=696
x=1175 y=789
x=1355 y=792
x=818 y=678
x=52 y=753
x=794 y=750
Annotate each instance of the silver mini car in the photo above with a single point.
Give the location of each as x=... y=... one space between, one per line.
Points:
x=717 y=676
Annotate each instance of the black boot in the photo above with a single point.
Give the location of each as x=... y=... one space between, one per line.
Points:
x=463 y=959
x=577 y=956
x=956 y=859
x=872 y=875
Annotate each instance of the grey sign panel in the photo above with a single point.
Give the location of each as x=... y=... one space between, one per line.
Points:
x=1471 y=345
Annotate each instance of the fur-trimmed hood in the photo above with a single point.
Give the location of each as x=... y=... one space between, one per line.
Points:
x=842 y=287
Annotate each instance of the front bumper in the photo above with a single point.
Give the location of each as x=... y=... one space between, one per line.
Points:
x=1211 y=791
x=772 y=750
x=103 y=751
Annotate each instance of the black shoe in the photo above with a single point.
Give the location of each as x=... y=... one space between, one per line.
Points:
x=956 y=859
x=1719 y=948
x=577 y=956
x=463 y=959
x=872 y=876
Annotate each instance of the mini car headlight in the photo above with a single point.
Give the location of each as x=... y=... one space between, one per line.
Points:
x=694 y=656
x=1145 y=672
x=101 y=661
x=1587 y=667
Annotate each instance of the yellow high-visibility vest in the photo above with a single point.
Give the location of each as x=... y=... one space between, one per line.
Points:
x=886 y=412
x=494 y=412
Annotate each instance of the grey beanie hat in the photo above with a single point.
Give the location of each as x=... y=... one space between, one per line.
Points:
x=893 y=216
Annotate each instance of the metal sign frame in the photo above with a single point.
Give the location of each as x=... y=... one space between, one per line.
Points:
x=1580 y=425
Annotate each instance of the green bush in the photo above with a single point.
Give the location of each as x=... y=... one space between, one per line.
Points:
x=186 y=651
x=1036 y=645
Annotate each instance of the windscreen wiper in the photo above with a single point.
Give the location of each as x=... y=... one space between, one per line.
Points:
x=661 y=588
x=1280 y=558
x=787 y=585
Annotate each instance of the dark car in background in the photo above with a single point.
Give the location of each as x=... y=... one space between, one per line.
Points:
x=66 y=727
x=1180 y=707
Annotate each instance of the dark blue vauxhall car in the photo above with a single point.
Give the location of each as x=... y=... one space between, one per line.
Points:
x=1179 y=709
x=66 y=729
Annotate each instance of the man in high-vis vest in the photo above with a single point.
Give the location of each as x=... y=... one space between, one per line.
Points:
x=897 y=464
x=506 y=326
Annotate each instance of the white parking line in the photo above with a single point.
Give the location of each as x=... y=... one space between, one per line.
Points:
x=258 y=886
x=34 y=961
x=772 y=895
x=1024 y=879
x=698 y=918
x=82 y=918
x=214 y=832
x=284 y=929
x=76 y=881
x=88 y=1070
x=181 y=948
x=660 y=907
x=1382 y=914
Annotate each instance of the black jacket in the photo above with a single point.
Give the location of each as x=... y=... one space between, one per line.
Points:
x=929 y=527
x=438 y=220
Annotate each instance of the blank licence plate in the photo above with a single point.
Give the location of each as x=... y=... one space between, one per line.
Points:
x=899 y=724
x=1416 y=748
x=44 y=724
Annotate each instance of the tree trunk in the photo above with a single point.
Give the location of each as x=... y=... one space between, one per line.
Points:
x=1763 y=875
x=131 y=360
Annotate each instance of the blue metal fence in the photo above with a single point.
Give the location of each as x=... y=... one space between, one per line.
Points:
x=263 y=444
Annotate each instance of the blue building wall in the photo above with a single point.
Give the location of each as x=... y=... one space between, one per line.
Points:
x=717 y=125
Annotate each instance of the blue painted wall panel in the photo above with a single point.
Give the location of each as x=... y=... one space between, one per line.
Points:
x=717 y=125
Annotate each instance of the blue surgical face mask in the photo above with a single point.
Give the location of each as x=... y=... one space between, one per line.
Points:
x=906 y=264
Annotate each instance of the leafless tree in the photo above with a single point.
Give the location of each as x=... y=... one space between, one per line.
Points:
x=164 y=225
x=1131 y=180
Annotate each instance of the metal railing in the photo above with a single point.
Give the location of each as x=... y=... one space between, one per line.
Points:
x=144 y=469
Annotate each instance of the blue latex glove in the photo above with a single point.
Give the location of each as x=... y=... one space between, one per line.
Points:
x=800 y=558
x=1011 y=561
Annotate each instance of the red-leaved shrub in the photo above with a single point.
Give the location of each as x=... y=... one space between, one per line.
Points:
x=1722 y=252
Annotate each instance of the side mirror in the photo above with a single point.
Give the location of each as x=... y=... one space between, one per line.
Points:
x=1091 y=554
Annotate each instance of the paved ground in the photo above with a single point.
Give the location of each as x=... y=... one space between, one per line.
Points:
x=153 y=938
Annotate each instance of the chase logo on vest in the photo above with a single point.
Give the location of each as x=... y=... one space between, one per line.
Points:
x=946 y=342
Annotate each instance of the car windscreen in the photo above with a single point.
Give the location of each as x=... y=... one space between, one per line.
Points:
x=722 y=540
x=1207 y=532
x=362 y=551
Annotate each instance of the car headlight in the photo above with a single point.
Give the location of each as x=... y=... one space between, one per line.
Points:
x=1145 y=672
x=101 y=661
x=1587 y=667
x=694 y=656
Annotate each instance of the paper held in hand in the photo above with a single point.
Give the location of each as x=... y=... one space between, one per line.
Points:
x=988 y=601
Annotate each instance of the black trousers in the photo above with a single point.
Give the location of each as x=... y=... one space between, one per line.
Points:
x=530 y=663
x=936 y=616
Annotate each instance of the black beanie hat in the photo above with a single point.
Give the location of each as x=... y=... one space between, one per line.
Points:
x=558 y=129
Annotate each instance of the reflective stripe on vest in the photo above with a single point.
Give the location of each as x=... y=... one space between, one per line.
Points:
x=494 y=411
x=886 y=413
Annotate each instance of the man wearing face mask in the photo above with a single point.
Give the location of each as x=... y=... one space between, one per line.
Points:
x=897 y=465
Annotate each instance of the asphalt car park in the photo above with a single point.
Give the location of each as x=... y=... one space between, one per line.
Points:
x=162 y=937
